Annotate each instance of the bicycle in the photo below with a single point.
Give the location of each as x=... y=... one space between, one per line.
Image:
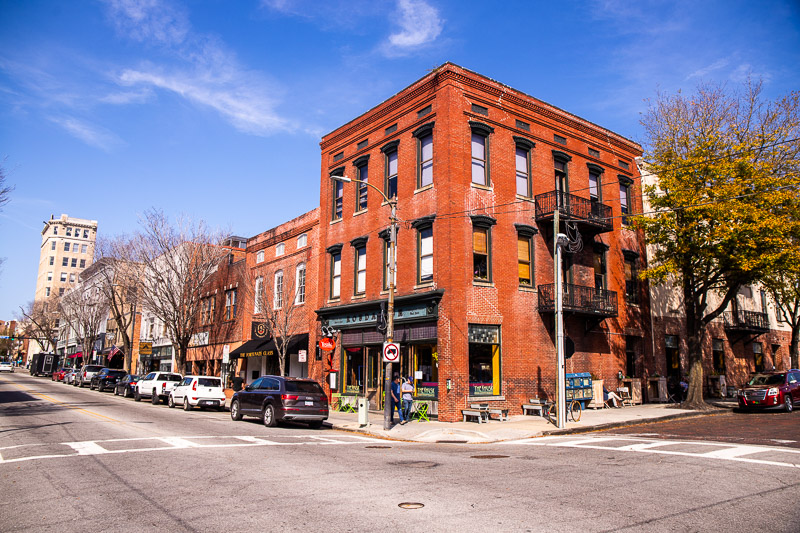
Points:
x=574 y=411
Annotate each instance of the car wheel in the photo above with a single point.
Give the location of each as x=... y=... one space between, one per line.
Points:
x=186 y=405
x=137 y=396
x=154 y=398
x=788 y=406
x=316 y=424
x=170 y=402
x=235 y=413
x=268 y=416
x=100 y=387
x=125 y=392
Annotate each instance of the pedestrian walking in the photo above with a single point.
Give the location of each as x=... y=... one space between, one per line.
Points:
x=407 y=399
x=395 y=398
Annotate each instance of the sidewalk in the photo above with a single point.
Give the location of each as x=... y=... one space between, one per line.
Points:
x=518 y=427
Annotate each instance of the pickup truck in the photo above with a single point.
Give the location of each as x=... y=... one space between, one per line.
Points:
x=156 y=386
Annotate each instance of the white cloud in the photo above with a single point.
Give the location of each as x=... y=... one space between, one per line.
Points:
x=244 y=105
x=127 y=97
x=149 y=20
x=419 y=23
x=705 y=71
x=88 y=133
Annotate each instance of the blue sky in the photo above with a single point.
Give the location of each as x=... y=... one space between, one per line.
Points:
x=215 y=109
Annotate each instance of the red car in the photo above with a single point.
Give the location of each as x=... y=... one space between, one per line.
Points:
x=58 y=375
x=771 y=389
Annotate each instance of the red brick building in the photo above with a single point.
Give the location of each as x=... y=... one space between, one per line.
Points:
x=473 y=165
x=281 y=266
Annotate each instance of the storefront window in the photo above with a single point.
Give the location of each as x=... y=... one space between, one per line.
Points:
x=353 y=370
x=758 y=357
x=718 y=352
x=673 y=356
x=426 y=362
x=484 y=360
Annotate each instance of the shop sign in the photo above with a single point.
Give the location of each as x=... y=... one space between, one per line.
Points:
x=428 y=390
x=367 y=318
x=145 y=348
x=327 y=344
x=481 y=389
x=259 y=330
x=352 y=389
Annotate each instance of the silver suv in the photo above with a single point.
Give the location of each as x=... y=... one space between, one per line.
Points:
x=84 y=377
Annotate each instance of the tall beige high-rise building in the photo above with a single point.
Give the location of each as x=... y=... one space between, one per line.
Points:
x=67 y=249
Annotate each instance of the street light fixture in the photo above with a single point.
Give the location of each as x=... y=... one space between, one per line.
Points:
x=387 y=382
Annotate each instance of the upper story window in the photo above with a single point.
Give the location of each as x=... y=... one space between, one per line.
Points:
x=338 y=156
x=83 y=263
x=66 y=247
x=480 y=110
x=631 y=277
x=424 y=111
x=390 y=129
x=63 y=276
x=49 y=276
x=362 y=174
x=600 y=268
x=260 y=256
x=338 y=195
x=69 y=231
x=279 y=249
x=335 y=252
x=390 y=166
x=480 y=153
x=55 y=230
x=302 y=240
x=424 y=135
x=482 y=247
x=523 y=125
x=207 y=310
x=65 y=261
x=300 y=284
x=525 y=235
x=559 y=139
x=52 y=260
x=74 y=262
x=230 y=304
x=624 y=164
x=86 y=234
x=595 y=185
x=360 y=263
x=53 y=245
x=277 y=299
x=625 y=200
x=84 y=248
x=363 y=144
x=594 y=153
x=560 y=162
x=258 y=294
x=522 y=159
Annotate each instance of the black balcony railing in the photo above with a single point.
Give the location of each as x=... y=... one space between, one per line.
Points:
x=575 y=208
x=579 y=299
x=746 y=321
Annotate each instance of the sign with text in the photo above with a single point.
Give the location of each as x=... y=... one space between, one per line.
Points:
x=145 y=348
x=302 y=356
x=391 y=352
x=327 y=344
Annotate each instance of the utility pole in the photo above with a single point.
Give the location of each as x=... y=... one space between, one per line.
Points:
x=559 y=239
x=387 y=382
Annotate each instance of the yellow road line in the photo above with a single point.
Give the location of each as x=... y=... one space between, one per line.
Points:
x=66 y=405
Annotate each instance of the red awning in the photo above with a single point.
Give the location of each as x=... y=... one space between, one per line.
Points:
x=76 y=354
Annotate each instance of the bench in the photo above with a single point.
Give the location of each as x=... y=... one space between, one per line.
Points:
x=536 y=406
x=472 y=413
x=502 y=414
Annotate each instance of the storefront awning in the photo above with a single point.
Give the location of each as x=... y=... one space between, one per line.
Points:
x=76 y=354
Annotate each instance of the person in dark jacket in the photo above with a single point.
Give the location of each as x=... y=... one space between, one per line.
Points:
x=395 y=398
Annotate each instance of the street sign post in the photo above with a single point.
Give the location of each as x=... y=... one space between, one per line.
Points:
x=391 y=352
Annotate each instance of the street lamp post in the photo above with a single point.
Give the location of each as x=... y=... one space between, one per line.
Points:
x=387 y=381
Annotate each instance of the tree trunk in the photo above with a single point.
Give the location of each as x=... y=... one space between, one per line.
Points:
x=695 y=333
x=794 y=347
x=180 y=361
x=282 y=363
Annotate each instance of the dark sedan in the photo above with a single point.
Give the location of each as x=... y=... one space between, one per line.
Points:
x=275 y=398
x=106 y=378
x=126 y=385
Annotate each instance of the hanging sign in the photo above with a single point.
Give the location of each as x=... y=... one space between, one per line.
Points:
x=327 y=344
x=391 y=352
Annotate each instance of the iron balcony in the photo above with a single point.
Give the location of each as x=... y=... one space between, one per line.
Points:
x=579 y=300
x=749 y=321
x=592 y=215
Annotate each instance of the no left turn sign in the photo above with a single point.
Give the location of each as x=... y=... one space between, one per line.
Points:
x=391 y=352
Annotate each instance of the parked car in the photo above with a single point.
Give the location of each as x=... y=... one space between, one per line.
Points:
x=85 y=375
x=106 y=378
x=156 y=386
x=126 y=385
x=771 y=389
x=276 y=398
x=198 y=391
x=5 y=366
x=58 y=375
x=69 y=375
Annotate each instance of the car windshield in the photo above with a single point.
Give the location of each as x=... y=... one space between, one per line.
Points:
x=303 y=386
x=209 y=382
x=767 y=379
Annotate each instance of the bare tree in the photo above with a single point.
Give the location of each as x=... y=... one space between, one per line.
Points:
x=5 y=190
x=276 y=296
x=176 y=262
x=85 y=310
x=41 y=319
x=118 y=278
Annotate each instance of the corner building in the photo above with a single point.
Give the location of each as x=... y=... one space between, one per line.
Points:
x=474 y=165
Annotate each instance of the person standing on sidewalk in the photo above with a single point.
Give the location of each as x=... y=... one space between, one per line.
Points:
x=395 y=398
x=407 y=399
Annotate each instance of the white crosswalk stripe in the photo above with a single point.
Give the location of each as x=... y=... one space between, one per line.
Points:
x=764 y=455
x=16 y=454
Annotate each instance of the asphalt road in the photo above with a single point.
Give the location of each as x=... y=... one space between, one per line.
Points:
x=79 y=460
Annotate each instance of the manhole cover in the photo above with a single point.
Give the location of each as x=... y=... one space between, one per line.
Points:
x=410 y=505
x=488 y=456
x=379 y=447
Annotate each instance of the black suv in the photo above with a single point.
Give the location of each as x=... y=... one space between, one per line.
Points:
x=275 y=398
x=107 y=377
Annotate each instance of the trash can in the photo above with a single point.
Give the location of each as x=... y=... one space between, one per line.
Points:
x=363 y=411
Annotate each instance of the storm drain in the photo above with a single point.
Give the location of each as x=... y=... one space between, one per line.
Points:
x=410 y=505
x=488 y=456
x=375 y=447
x=451 y=442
